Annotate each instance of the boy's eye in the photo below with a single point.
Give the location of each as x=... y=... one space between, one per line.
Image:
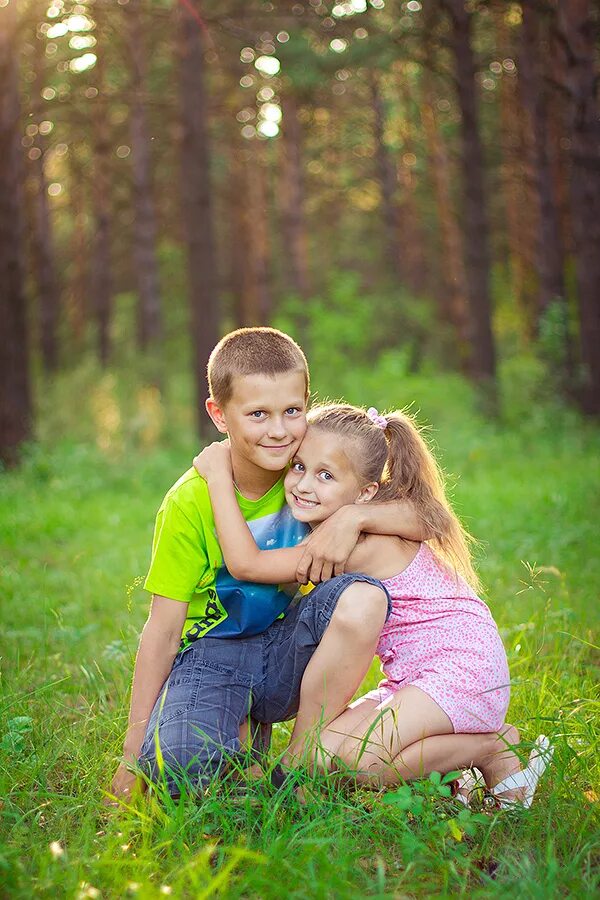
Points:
x=257 y=414
x=297 y=467
x=326 y=476
x=292 y=410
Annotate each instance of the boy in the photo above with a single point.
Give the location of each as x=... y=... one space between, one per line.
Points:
x=215 y=650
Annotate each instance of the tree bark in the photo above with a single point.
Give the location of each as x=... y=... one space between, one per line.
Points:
x=292 y=193
x=454 y=288
x=79 y=251
x=41 y=236
x=477 y=254
x=239 y=248
x=386 y=173
x=197 y=200
x=577 y=31
x=15 y=391
x=149 y=312
x=517 y=183
x=101 y=287
x=259 y=236
x=549 y=250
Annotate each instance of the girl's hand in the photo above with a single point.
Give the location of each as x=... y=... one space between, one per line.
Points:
x=214 y=461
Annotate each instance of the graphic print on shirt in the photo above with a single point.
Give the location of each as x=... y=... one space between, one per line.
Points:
x=241 y=607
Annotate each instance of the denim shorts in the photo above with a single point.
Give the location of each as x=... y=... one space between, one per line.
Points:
x=217 y=683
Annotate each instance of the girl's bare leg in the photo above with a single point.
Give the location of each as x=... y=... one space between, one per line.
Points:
x=369 y=737
x=339 y=663
x=362 y=723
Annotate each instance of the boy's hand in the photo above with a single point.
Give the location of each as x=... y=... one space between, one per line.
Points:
x=124 y=784
x=214 y=461
x=329 y=546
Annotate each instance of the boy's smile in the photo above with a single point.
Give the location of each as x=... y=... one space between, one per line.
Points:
x=265 y=420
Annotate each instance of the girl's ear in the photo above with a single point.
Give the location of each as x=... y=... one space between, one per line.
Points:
x=367 y=493
x=217 y=415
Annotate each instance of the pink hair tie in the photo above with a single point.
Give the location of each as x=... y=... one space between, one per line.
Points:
x=376 y=419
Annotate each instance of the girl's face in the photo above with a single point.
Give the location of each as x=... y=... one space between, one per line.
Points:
x=321 y=478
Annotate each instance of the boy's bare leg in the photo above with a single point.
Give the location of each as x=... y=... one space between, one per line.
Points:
x=338 y=665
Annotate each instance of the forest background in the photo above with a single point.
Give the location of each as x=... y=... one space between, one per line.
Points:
x=412 y=190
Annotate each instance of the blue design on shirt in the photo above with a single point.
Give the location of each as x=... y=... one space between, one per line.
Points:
x=251 y=607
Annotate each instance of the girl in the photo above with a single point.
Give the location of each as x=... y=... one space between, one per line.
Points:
x=446 y=685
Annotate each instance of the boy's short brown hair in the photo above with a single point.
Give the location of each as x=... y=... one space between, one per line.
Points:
x=252 y=351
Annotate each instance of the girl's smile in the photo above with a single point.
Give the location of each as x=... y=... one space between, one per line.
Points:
x=322 y=479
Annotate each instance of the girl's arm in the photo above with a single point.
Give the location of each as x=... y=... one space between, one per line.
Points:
x=328 y=548
x=243 y=558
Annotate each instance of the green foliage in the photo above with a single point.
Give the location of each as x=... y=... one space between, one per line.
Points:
x=365 y=324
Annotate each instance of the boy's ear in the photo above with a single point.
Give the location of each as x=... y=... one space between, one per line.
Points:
x=367 y=493
x=217 y=415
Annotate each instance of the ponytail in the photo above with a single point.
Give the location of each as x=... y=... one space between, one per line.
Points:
x=413 y=474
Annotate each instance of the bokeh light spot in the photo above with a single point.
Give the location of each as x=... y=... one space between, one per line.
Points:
x=268 y=65
x=81 y=63
x=57 y=30
x=338 y=45
x=268 y=129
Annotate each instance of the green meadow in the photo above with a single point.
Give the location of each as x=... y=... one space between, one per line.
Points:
x=75 y=526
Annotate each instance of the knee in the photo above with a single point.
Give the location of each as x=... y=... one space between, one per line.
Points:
x=361 y=609
x=193 y=756
x=354 y=760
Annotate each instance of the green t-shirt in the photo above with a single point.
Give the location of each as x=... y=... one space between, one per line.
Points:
x=187 y=562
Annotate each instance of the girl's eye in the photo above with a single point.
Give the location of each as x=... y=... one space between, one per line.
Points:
x=297 y=467
x=292 y=411
x=257 y=414
x=326 y=476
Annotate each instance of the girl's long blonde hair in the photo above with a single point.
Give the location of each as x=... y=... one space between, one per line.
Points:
x=398 y=458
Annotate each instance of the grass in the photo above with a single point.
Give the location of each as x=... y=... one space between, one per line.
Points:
x=75 y=526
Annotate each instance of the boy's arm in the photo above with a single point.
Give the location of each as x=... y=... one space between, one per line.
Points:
x=243 y=558
x=327 y=549
x=158 y=647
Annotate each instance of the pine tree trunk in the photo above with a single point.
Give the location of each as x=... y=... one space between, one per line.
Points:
x=239 y=247
x=41 y=237
x=149 y=318
x=386 y=173
x=15 y=392
x=197 y=200
x=517 y=183
x=577 y=31
x=477 y=254
x=292 y=194
x=101 y=288
x=45 y=274
x=259 y=236
x=454 y=290
x=549 y=250
x=415 y=271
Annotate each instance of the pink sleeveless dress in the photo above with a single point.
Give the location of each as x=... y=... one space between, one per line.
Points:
x=442 y=638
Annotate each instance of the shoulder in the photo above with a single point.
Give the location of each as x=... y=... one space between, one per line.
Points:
x=382 y=555
x=189 y=495
x=366 y=555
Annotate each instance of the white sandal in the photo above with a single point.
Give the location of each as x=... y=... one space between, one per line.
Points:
x=527 y=778
x=470 y=783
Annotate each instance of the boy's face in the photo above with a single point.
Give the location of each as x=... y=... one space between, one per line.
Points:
x=265 y=419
